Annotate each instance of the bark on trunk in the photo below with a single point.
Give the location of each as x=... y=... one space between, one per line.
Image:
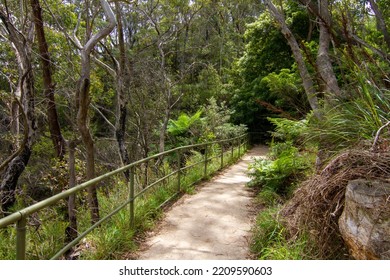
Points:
x=15 y=128
x=168 y=94
x=324 y=63
x=82 y=119
x=161 y=146
x=71 y=230
x=121 y=110
x=11 y=176
x=49 y=86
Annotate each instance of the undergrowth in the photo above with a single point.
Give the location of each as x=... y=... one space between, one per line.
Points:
x=275 y=178
x=271 y=240
x=302 y=183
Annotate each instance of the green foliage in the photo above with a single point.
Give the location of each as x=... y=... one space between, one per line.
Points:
x=7 y=245
x=286 y=164
x=183 y=123
x=267 y=230
x=208 y=85
x=270 y=242
x=48 y=239
x=286 y=88
x=266 y=71
x=288 y=130
x=112 y=240
x=268 y=197
x=282 y=173
x=351 y=121
x=217 y=122
x=266 y=51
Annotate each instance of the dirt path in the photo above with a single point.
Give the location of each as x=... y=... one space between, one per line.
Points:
x=214 y=223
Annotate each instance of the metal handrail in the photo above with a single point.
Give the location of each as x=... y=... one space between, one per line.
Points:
x=20 y=217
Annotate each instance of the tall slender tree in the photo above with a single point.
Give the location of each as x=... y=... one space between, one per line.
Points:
x=48 y=83
x=303 y=71
x=83 y=100
x=121 y=106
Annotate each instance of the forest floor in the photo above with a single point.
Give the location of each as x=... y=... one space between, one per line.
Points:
x=213 y=223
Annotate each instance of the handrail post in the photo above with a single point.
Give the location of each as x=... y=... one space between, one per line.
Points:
x=205 y=162
x=21 y=239
x=131 y=197
x=239 y=147
x=232 y=144
x=178 y=170
x=221 y=154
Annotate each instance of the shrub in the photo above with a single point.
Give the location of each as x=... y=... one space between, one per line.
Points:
x=281 y=174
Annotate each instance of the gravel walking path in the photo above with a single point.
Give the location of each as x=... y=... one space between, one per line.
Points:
x=214 y=223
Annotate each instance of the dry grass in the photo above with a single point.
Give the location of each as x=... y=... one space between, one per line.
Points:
x=317 y=205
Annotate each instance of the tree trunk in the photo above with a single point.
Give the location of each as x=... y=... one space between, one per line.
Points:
x=15 y=127
x=16 y=166
x=82 y=117
x=168 y=95
x=304 y=73
x=324 y=64
x=83 y=101
x=121 y=109
x=161 y=146
x=71 y=230
x=11 y=176
x=380 y=22
x=49 y=86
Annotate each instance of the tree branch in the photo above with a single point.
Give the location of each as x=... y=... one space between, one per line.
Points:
x=378 y=133
x=103 y=32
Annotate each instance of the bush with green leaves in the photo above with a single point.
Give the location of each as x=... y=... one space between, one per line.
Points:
x=207 y=124
x=289 y=130
x=281 y=173
x=287 y=162
x=185 y=129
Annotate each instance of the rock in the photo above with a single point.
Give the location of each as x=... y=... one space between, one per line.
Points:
x=365 y=221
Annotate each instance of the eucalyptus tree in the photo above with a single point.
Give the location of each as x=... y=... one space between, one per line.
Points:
x=91 y=37
x=113 y=58
x=17 y=29
x=226 y=22
x=121 y=106
x=168 y=20
x=49 y=85
x=381 y=23
x=83 y=101
x=292 y=41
